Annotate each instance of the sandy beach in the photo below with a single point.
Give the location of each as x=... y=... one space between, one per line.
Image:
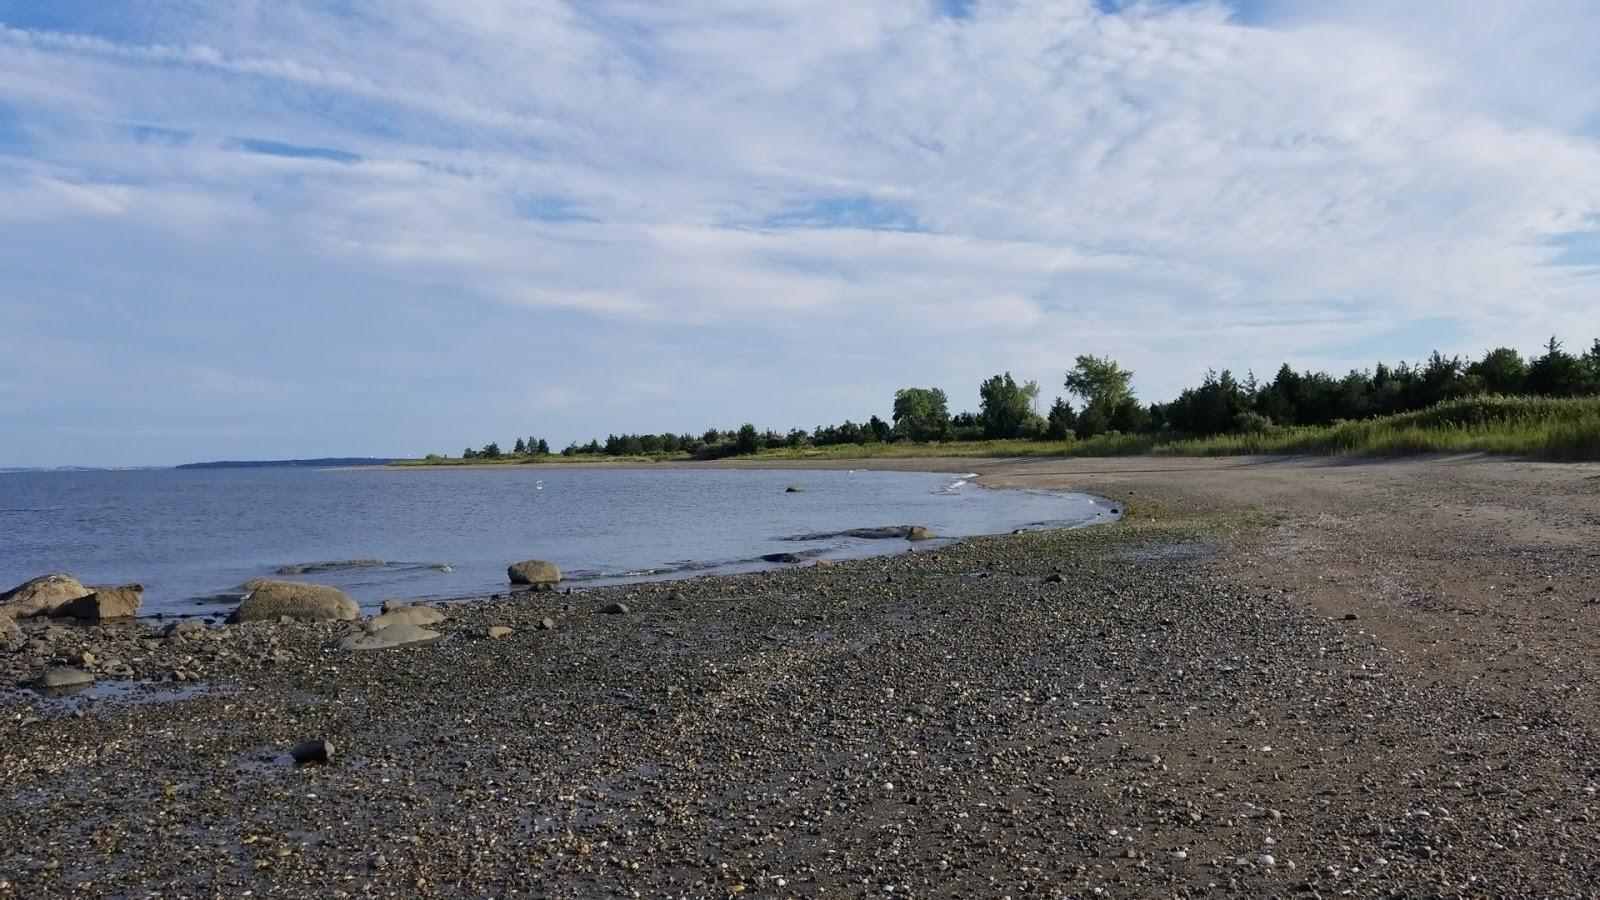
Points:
x=1272 y=677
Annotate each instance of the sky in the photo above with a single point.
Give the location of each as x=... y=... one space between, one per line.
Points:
x=279 y=228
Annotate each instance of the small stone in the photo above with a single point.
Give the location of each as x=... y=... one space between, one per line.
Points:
x=546 y=624
x=1351 y=617
x=1054 y=578
x=615 y=609
x=1266 y=860
x=317 y=750
x=500 y=631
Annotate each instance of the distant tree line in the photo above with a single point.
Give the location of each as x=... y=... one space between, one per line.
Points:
x=1220 y=404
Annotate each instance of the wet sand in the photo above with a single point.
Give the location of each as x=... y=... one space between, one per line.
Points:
x=1272 y=677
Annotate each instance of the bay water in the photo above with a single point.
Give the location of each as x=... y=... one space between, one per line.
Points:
x=192 y=537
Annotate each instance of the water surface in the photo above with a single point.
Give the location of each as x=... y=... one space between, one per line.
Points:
x=192 y=534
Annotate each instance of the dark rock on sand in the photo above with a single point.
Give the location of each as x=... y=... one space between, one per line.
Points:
x=41 y=596
x=615 y=609
x=318 y=750
x=105 y=603
x=268 y=601
x=537 y=573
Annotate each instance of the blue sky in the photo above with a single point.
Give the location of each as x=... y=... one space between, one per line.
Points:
x=324 y=228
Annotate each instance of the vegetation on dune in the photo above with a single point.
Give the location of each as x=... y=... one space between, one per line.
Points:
x=1546 y=407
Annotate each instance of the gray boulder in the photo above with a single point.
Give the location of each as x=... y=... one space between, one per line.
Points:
x=41 y=596
x=540 y=575
x=105 y=603
x=270 y=600
x=393 y=636
x=62 y=677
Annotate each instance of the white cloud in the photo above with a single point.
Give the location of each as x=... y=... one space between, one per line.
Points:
x=1168 y=184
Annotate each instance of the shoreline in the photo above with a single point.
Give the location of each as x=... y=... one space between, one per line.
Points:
x=1252 y=683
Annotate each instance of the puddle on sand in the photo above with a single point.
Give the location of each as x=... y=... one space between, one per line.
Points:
x=123 y=693
x=1174 y=552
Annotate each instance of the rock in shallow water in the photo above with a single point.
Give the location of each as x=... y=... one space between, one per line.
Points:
x=105 y=603
x=919 y=533
x=536 y=573
x=270 y=600
x=41 y=596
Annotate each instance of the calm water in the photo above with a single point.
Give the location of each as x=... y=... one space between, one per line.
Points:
x=189 y=535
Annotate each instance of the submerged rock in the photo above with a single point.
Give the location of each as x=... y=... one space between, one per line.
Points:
x=539 y=574
x=919 y=533
x=268 y=601
x=332 y=565
x=384 y=638
x=794 y=489
x=41 y=596
x=105 y=603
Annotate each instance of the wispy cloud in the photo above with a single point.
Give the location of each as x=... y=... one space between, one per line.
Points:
x=410 y=197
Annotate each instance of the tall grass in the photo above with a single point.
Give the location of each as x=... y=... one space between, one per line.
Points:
x=1538 y=427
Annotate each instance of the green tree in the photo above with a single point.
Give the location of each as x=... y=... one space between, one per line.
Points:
x=1557 y=373
x=519 y=447
x=544 y=447
x=921 y=414
x=490 y=450
x=1501 y=371
x=747 y=441
x=1098 y=380
x=1005 y=407
x=1061 y=422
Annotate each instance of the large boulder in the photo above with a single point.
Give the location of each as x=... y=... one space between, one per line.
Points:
x=10 y=634
x=105 y=603
x=919 y=533
x=269 y=601
x=398 y=635
x=42 y=596
x=540 y=575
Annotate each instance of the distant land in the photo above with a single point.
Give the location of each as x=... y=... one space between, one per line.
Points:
x=327 y=462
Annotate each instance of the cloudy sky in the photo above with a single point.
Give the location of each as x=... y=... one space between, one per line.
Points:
x=290 y=228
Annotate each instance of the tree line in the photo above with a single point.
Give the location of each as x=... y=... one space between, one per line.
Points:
x=1105 y=403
